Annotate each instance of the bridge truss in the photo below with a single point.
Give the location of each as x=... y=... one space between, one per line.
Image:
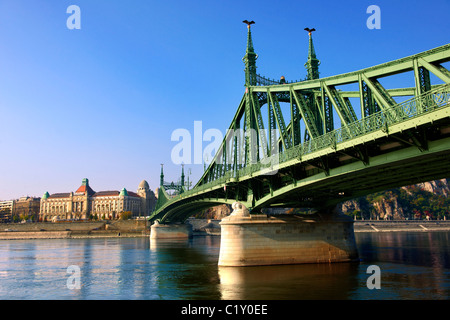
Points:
x=304 y=144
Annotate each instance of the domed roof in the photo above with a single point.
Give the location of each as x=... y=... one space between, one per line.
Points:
x=144 y=185
x=123 y=192
x=46 y=195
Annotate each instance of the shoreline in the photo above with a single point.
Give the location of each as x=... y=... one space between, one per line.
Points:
x=34 y=235
x=74 y=230
x=201 y=227
x=401 y=226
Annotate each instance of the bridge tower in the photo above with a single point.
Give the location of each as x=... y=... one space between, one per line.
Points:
x=174 y=230
x=182 y=177
x=161 y=177
x=251 y=238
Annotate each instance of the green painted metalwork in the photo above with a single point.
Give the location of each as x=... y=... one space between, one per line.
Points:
x=179 y=187
x=391 y=143
x=250 y=60
x=163 y=196
x=312 y=65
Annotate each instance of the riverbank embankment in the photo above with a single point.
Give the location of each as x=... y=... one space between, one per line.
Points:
x=401 y=225
x=77 y=229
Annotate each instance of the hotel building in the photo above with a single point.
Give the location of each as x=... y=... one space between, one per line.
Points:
x=85 y=203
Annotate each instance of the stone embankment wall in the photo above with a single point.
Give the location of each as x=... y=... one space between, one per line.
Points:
x=49 y=230
x=51 y=226
x=21 y=235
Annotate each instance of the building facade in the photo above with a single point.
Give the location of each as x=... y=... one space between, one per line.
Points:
x=26 y=208
x=86 y=204
x=6 y=208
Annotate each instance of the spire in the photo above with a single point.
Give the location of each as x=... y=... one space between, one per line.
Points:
x=312 y=65
x=250 y=58
x=161 y=180
x=182 y=176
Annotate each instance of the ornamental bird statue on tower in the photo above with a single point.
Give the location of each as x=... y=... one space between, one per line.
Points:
x=310 y=30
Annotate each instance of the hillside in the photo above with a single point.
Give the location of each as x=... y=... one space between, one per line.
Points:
x=429 y=199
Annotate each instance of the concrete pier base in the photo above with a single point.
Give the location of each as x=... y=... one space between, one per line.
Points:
x=251 y=240
x=170 y=231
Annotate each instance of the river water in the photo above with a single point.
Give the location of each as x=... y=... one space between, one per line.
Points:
x=412 y=265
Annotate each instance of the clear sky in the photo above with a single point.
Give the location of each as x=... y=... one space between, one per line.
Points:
x=102 y=102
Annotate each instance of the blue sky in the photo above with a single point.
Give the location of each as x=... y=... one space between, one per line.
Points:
x=102 y=102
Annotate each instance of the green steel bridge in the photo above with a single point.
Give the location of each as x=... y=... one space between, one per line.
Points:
x=303 y=144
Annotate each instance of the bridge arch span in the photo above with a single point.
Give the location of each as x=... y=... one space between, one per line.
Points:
x=179 y=211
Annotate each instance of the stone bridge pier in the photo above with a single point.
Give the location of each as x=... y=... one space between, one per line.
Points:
x=257 y=239
x=170 y=231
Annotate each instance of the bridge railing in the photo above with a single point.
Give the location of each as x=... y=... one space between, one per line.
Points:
x=403 y=111
x=263 y=81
